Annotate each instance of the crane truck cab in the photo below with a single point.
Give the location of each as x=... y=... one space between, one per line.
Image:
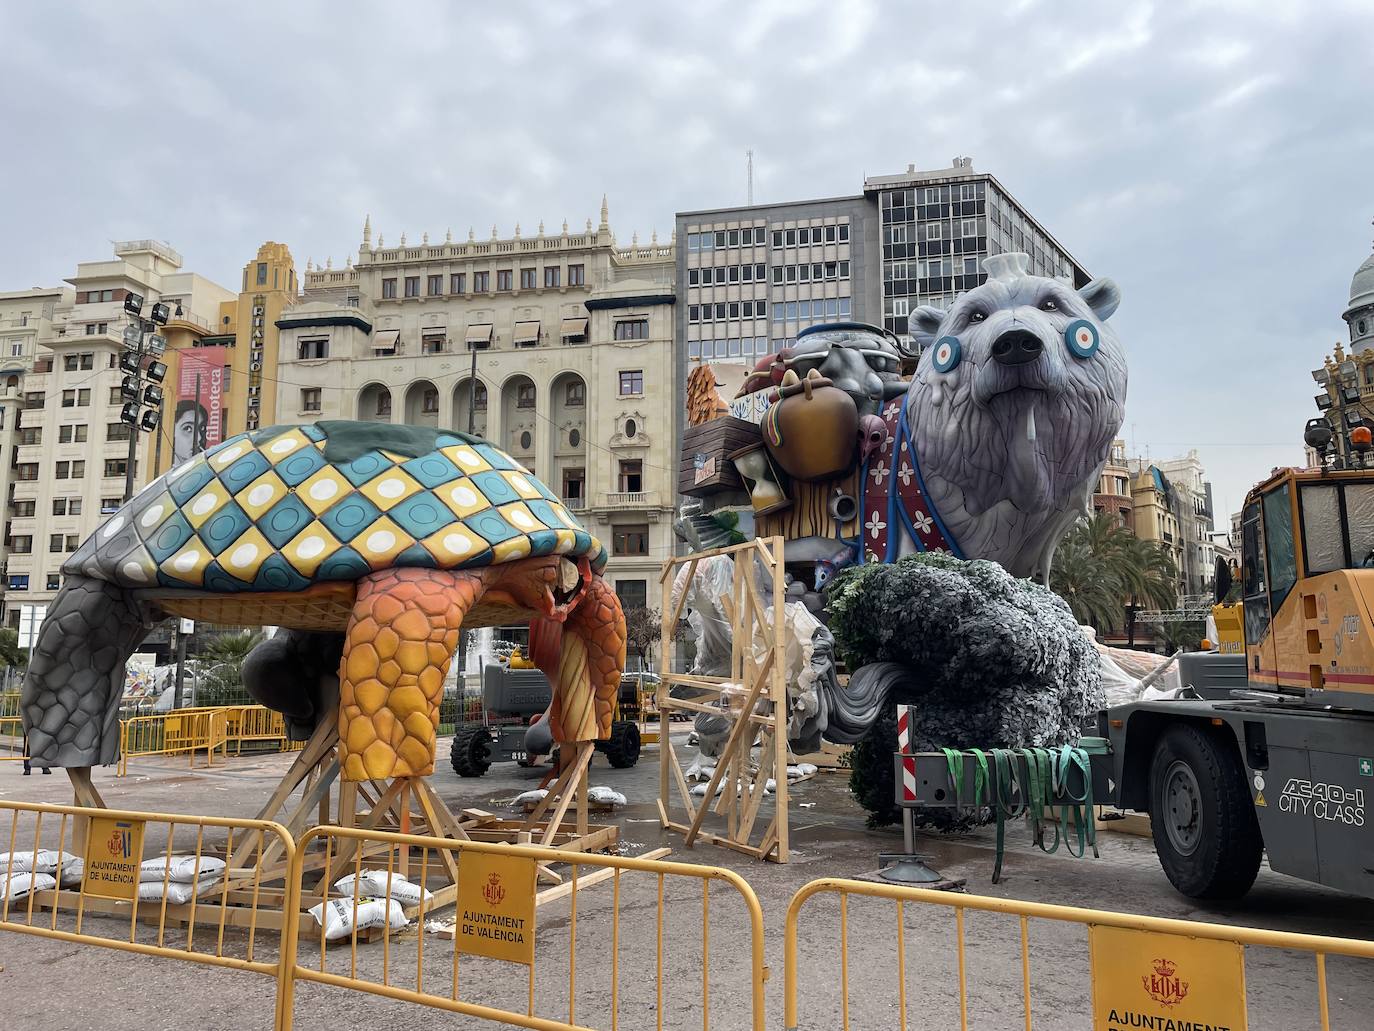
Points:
x=1270 y=749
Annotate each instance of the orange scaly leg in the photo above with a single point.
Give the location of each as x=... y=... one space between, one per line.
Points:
x=400 y=640
x=590 y=663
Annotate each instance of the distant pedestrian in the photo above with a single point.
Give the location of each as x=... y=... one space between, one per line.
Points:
x=28 y=769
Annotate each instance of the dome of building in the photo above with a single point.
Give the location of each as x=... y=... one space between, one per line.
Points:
x=1362 y=285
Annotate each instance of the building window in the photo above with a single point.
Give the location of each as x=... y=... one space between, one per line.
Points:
x=110 y=505
x=17 y=581
x=62 y=506
x=310 y=399
x=26 y=471
x=574 y=483
x=631 y=381
x=262 y=273
x=630 y=540
x=575 y=394
x=115 y=466
x=54 y=581
x=479 y=398
x=633 y=329
x=504 y=279
x=481 y=282
x=458 y=283
x=969 y=228
x=55 y=541
x=524 y=395
x=388 y=289
x=116 y=396
x=314 y=348
x=76 y=433
x=412 y=286
x=435 y=286
x=34 y=434
x=528 y=278
x=577 y=275
x=553 y=276
x=22 y=509
x=631 y=476
x=433 y=343
x=384 y=403
x=75 y=362
x=633 y=594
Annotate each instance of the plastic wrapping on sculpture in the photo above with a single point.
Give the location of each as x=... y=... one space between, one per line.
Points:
x=1020 y=390
x=390 y=535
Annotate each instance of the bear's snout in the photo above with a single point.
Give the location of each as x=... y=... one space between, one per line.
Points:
x=1017 y=347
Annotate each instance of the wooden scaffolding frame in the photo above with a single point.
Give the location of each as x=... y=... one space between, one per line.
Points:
x=755 y=692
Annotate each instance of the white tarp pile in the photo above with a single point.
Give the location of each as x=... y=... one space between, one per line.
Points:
x=1124 y=672
x=177 y=878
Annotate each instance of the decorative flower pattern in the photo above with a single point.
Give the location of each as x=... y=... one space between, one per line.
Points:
x=922 y=522
x=879 y=472
x=875 y=525
x=906 y=473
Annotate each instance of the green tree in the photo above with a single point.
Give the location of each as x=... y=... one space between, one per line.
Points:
x=10 y=652
x=1100 y=568
x=220 y=668
x=1180 y=633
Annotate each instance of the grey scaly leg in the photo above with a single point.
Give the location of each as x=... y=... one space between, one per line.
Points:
x=71 y=694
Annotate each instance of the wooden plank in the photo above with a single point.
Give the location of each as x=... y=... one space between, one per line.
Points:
x=732 y=745
x=446 y=856
x=577 y=774
x=586 y=880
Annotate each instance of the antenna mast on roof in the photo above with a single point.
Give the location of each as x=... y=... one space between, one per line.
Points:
x=750 y=155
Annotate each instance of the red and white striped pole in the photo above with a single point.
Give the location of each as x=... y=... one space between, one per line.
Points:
x=905 y=714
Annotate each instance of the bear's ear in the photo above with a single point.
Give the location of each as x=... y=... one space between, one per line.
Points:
x=1103 y=297
x=923 y=324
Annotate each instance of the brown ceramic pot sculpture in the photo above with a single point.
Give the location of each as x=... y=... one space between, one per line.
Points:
x=811 y=432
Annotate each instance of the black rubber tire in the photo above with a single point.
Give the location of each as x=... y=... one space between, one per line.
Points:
x=1215 y=849
x=622 y=747
x=471 y=753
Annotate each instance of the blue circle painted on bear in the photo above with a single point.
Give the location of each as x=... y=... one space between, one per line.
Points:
x=946 y=355
x=1081 y=338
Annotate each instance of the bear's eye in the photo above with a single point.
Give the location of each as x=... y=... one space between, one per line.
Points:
x=1048 y=305
x=977 y=316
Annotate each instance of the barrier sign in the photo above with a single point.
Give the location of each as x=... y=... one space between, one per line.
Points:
x=496 y=906
x=1167 y=982
x=114 y=850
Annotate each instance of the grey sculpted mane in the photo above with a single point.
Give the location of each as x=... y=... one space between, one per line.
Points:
x=1020 y=390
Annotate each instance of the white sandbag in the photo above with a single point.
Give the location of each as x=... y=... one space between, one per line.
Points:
x=699 y=790
x=72 y=872
x=337 y=918
x=18 y=885
x=373 y=884
x=771 y=786
x=45 y=860
x=537 y=795
x=184 y=868
x=803 y=769
x=177 y=892
x=603 y=795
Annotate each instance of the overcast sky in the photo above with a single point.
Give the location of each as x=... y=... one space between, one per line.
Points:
x=1215 y=160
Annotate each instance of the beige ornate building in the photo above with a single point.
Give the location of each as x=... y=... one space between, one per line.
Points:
x=571 y=339
x=71 y=450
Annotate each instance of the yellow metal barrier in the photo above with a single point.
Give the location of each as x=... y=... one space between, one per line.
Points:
x=11 y=738
x=181 y=732
x=257 y=723
x=149 y=883
x=9 y=703
x=1148 y=972
x=493 y=888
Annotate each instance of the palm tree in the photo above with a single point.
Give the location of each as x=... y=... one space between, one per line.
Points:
x=220 y=664
x=1100 y=568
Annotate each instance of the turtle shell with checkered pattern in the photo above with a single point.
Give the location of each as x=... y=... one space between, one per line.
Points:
x=283 y=508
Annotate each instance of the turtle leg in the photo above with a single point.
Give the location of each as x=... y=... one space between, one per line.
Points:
x=397 y=649
x=75 y=680
x=589 y=664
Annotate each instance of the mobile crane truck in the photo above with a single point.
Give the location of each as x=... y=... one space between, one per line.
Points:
x=1270 y=749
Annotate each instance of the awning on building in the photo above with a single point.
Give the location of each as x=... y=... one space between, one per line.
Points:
x=527 y=332
x=573 y=328
x=434 y=331
x=385 y=340
x=479 y=334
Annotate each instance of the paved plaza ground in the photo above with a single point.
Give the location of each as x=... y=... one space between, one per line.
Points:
x=61 y=985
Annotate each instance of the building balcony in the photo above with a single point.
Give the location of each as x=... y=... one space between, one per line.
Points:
x=631 y=499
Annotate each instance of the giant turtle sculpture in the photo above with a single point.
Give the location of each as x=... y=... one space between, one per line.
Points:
x=395 y=537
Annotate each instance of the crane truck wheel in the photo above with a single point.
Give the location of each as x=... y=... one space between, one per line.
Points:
x=471 y=753
x=622 y=747
x=1201 y=815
